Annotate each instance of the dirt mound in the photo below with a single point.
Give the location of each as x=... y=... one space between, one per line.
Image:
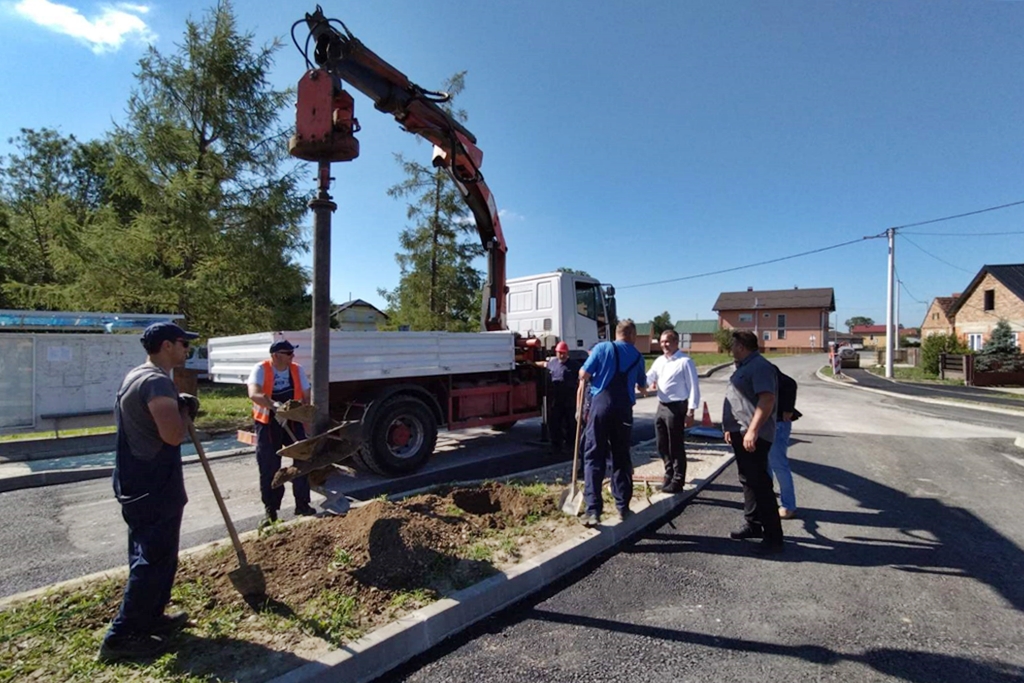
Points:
x=378 y=549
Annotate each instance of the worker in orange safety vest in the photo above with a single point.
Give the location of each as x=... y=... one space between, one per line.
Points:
x=272 y=383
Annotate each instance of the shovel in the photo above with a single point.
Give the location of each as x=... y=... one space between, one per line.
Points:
x=248 y=579
x=571 y=500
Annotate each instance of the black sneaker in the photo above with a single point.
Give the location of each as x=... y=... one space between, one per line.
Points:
x=747 y=531
x=625 y=514
x=169 y=623
x=269 y=518
x=673 y=487
x=305 y=510
x=133 y=647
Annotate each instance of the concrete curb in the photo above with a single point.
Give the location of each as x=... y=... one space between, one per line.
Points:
x=390 y=646
x=53 y=477
x=715 y=369
x=1019 y=442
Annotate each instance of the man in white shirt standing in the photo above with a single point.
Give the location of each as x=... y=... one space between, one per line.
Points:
x=674 y=375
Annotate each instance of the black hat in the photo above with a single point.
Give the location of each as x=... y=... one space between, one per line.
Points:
x=282 y=345
x=157 y=333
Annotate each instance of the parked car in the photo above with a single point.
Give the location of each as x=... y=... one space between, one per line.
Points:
x=199 y=361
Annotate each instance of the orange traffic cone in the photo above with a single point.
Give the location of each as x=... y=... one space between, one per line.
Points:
x=706 y=420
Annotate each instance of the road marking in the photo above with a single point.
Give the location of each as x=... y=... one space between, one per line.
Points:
x=1019 y=461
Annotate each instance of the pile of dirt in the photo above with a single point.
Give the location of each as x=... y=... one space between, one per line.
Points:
x=378 y=549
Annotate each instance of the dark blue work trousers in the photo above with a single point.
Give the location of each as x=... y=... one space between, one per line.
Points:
x=270 y=438
x=152 y=563
x=608 y=436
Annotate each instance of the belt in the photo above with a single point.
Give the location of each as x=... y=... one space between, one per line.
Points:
x=673 y=403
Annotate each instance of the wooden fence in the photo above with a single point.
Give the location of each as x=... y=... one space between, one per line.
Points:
x=962 y=367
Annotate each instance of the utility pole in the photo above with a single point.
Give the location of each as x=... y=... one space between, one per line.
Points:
x=896 y=338
x=891 y=234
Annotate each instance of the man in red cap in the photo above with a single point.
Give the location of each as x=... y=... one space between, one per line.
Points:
x=272 y=383
x=563 y=373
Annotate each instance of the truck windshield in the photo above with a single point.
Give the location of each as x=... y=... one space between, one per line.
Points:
x=590 y=303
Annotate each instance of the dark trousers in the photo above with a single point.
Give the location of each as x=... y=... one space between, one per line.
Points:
x=670 y=428
x=608 y=435
x=562 y=421
x=759 y=506
x=152 y=563
x=270 y=438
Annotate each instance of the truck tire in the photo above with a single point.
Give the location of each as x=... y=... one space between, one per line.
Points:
x=401 y=438
x=504 y=426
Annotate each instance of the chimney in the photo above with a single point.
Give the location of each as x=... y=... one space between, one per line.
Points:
x=956 y=295
x=795 y=287
x=750 y=289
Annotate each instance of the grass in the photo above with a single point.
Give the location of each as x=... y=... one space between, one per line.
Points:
x=332 y=615
x=914 y=374
x=224 y=408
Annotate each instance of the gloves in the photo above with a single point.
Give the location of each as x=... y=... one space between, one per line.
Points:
x=191 y=405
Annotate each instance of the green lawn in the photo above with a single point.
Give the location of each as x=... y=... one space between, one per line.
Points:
x=913 y=375
x=224 y=408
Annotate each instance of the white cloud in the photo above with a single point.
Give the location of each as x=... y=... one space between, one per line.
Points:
x=106 y=31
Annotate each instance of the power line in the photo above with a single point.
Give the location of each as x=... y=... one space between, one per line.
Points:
x=918 y=246
x=965 y=234
x=959 y=215
x=753 y=265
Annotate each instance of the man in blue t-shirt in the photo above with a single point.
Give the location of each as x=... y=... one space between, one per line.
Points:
x=613 y=370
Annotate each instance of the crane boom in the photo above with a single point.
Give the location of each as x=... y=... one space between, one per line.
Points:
x=344 y=58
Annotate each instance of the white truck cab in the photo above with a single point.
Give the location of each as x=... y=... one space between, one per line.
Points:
x=561 y=307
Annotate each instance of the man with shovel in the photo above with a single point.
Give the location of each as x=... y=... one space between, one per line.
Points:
x=613 y=369
x=152 y=422
x=272 y=383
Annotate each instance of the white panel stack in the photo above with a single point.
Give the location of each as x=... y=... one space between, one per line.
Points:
x=370 y=355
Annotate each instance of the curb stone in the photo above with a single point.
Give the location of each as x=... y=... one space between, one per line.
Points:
x=1018 y=442
x=396 y=643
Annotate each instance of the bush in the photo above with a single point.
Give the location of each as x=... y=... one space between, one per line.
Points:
x=935 y=345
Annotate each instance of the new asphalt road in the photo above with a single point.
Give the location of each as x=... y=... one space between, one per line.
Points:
x=905 y=564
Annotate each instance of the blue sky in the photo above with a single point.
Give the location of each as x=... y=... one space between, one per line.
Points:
x=640 y=141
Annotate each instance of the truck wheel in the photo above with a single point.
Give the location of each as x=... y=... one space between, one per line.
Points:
x=504 y=426
x=401 y=438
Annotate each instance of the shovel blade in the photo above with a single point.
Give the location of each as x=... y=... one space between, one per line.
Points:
x=248 y=580
x=571 y=501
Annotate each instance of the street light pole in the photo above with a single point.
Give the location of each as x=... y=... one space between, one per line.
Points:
x=891 y=234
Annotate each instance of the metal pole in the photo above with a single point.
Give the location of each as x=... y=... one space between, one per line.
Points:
x=322 y=208
x=891 y=233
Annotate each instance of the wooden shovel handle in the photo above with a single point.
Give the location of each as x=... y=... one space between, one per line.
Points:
x=216 y=494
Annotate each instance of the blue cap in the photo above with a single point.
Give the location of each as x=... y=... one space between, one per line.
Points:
x=158 y=333
x=283 y=345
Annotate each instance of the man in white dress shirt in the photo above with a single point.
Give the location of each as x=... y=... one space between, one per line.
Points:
x=674 y=375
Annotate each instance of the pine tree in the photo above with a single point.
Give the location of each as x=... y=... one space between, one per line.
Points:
x=1000 y=352
x=439 y=288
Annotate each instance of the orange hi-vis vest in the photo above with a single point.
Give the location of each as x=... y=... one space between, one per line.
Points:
x=261 y=414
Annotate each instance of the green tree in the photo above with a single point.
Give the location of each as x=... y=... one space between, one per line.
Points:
x=44 y=211
x=1000 y=352
x=723 y=337
x=573 y=271
x=214 y=224
x=934 y=345
x=660 y=324
x=439 y=289
x=858 y=320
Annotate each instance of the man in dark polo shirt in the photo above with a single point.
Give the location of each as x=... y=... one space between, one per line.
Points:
x=748 y=420
x=152 y=421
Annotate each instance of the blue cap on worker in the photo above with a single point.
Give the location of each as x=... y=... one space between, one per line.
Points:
x=282 y=345
x=158 y=333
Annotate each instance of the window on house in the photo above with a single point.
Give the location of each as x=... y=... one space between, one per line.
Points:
x=767 y=336
x=975 y=342
x=767 y=314
x=781 y=333
x=935 y=316
x=782 y=321
x=746 y=317
x=990 y=299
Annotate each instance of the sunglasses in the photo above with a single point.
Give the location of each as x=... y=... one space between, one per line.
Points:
x=287 y=353
x=183 y=342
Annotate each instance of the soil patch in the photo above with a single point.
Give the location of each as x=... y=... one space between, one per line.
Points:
x=329 y=580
